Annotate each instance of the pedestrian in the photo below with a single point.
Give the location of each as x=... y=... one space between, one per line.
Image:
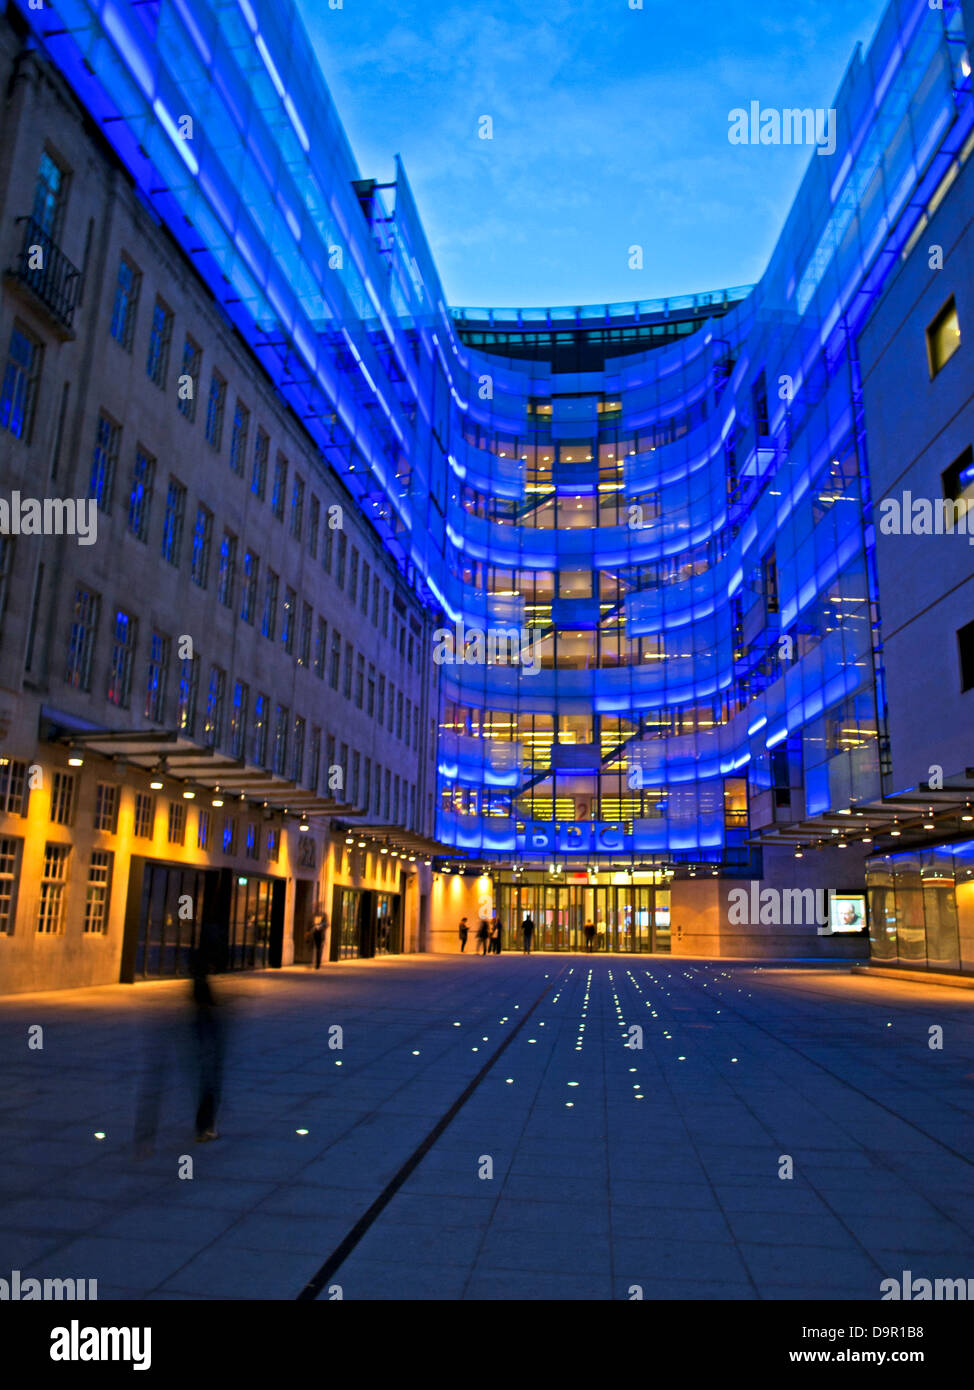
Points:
x=464 y=933
x=496 y=932
x=527 y=931
x=492 y=937
x=589 y=935
x=210 y=1036
x=317 y=934
x=482 y=935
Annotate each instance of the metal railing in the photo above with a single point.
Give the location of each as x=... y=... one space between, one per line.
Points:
x=45 y=269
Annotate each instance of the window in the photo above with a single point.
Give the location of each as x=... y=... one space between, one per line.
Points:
x=330 y=760
x=202 y=536
x=314 y=770
x=399 y=715
x=9 y=877
x=145 y=815
x=260 y=730
x=327 y=550
x=126 y=303
x=140 y=494
x=387 y=799
x=409 y=720
x=297 y=750
x=377 y=794
x=356 y=770
x=215 y=406
x=365 y=589
x=367 y=784
x=282 y=717
x=238 y=438
x=50 y=909
x=50 y=192
x=359 y=681
x=347 y=673
x=340 y=563
x=290 y=616
x=98 y=891
x=189 y=684
x=228 y=565
x=62 y=798
x=943 y=337
x=273 y=845
x=268 y=624
x=160 y=335
x=279 y=489
x=103 y=461
x=251 y=575
x=965 y=641
x=321 y=643
x=106 y=807
x=304 y=650
x=172 y=526
x=252 y=841
x=381 y=711
x=385 y=612
x=297 y=508
x=353 y=577
x=258 y=478
x=239 y=712
x=156 y=678
x=314 y=521
x=958 y=479
x=189 y=379
x=177 y=823
x=213 y=728
x=81 y=645
x=6 y=564
x=228 y=840
x=336 y=658
x=390 y=723
x=370 y=705
x=123 y=654
x=375 y=600
x=203 y=826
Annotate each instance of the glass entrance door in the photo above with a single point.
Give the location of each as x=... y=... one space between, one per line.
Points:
x=628 y=919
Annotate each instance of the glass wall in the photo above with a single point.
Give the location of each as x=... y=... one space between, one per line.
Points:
x=625 y=918
x=913 y=906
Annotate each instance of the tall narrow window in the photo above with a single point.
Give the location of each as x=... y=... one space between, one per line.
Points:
x=228 y=567
x=282 y=716
x=279 y=491
x=213 y=728
x=215 y=405
x=103 y=462
x=321 y=641
x=258 y=478
x=314 y=521
x=50 y=192
x=81 y=645
x=125 y=304
x=943 y=337
x=289 y=619
x=259 y=746
x=238 y=438
x=268 y=624
x=251 y=576
x=156 y=677
x=187 y=696
x=54 y=881
x=160 y=336
x=304 y=648
x=98 y=891
x=172 y=526
x=10 y=850
x=297 y=508
x=123 y=655
x=239 y=714
x=140 y=493
x=202 y=536
x=188 y=387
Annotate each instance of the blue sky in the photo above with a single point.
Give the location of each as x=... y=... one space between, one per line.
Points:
x=609 y=130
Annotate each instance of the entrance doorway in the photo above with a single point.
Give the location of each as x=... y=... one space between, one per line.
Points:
x=632 y=919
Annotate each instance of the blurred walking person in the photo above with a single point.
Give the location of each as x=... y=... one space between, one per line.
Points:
x=527 y=932
x=464 y=932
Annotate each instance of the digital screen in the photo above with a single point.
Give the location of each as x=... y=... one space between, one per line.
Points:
x=847 y=912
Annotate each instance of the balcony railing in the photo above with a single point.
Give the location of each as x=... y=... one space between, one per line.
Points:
x=45 y=269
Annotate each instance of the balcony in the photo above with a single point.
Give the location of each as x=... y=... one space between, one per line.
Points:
x=43 y=268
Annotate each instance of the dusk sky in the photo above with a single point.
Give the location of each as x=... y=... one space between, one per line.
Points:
x=609 y=129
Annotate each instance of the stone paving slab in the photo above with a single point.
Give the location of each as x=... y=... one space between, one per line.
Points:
x=576 y=1168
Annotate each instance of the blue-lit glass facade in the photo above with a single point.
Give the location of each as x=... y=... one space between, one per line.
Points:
x=669 y=552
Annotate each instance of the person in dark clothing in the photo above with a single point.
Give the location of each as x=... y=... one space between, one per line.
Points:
x=527 y=932
x=496 y=927
x=464 y=933
x=210 y=1039
x=589 y=935
x=317 y=934
x=482 y=935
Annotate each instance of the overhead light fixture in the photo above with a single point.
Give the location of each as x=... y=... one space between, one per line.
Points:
x=75 y=761
x=304 y=826
x=189 y=796
x=361 y=844
x=155 y=786
x=218 y=801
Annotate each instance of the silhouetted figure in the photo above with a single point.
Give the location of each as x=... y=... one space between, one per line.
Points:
x=318 y=927
x=483 y=933
x=496 y=927
x=210 y=1039
x=464 y=932
x=589 y=935
x=527 y=932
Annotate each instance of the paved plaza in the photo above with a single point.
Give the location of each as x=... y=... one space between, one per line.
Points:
x=485 y=1132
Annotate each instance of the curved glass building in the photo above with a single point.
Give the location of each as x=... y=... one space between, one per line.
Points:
x=644 y=532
